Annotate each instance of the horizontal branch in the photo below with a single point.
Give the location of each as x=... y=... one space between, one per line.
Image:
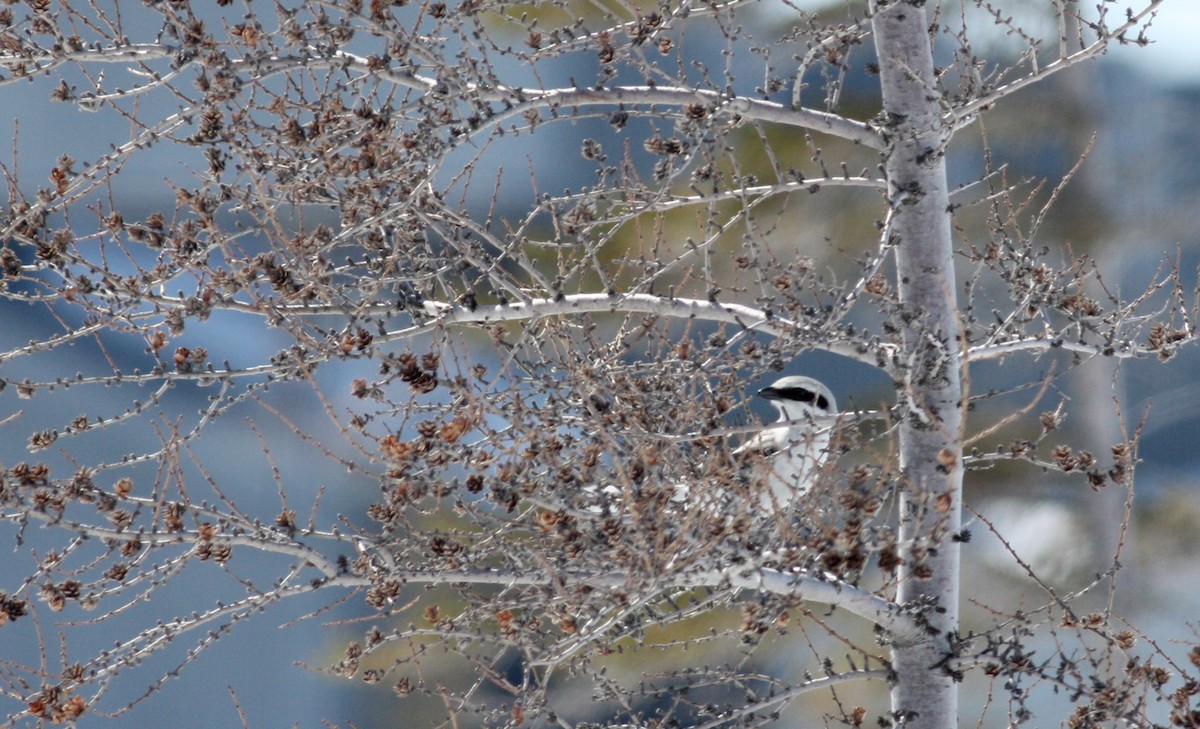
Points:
x=744 y=316
x=746 y=108
x=520 y=99
x=1124 y=350
x=750 y=318
x=121 y=53
x=527 y=98
x=278 y=544
x=902 y=627
x=669 y=201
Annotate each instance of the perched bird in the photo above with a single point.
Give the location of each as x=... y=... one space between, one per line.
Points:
x=782 y=460
x=792 y=451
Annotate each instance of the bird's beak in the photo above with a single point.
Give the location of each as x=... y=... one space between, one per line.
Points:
x=769 y=393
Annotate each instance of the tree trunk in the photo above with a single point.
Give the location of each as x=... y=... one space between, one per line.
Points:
x=929 y=369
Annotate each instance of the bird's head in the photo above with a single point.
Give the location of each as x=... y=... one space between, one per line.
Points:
x=797 y=396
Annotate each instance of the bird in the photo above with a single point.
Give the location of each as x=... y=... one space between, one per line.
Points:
x=789 y=454
x=782 y=460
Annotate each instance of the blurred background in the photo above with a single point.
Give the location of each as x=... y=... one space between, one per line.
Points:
x=1133 y=207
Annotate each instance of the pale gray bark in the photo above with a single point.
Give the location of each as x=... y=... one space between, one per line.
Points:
x=929 y=369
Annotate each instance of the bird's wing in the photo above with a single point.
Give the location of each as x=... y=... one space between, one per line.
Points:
x=765 y=444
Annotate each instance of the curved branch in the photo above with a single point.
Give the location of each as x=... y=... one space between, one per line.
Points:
x=902 y=627
x=751 y=109
x=744 y=316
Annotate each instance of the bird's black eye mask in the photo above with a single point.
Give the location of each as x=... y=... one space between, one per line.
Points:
x=798 y=394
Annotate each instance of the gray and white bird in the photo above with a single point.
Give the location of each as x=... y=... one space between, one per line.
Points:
x=783 y=459
x=791 y=451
